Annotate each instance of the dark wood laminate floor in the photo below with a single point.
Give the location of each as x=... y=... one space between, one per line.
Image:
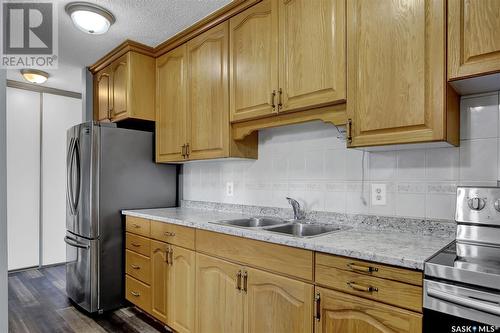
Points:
x=38 y=304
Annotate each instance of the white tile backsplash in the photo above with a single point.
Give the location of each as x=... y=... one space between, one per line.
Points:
x=310 y=163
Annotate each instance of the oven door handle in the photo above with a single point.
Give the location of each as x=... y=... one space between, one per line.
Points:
x=476 y=304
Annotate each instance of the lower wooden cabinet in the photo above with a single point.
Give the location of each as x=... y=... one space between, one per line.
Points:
x=159 y=279
x=340 y=313
x=233 y=298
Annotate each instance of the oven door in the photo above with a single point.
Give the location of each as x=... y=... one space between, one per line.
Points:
x=456 y=308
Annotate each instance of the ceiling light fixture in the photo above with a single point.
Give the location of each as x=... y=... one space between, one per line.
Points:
x=90 y=18
x=34 y=75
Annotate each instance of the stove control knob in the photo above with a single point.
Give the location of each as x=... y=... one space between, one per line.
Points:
x=476 y=203
x=497 y=205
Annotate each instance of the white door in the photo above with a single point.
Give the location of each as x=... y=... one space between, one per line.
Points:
x=23 y=178
x=58 y=114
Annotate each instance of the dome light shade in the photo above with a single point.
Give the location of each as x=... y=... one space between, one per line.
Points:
x=90 y=18
x=34 y=75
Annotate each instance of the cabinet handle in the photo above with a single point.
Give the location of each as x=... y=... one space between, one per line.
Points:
x=135 y=294
x=360 y=268
x=349 y=130
x=171 y=256
x=136 y=226
x=317 y=303
x=238 y=281
x=135 y=266
x=360 y=287
x=280 y=104
x=245 y=282
x=183 y=151
x=273 y=95
x=136 y=245
x=169 y=233
x=187 y=150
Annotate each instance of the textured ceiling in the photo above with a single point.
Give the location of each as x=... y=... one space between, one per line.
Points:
x=146 y=21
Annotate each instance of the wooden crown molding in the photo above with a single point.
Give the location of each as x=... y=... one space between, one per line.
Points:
x=217 y=17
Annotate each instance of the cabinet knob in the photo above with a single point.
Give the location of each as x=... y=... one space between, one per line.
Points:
x=497 y=205
x=476 y=203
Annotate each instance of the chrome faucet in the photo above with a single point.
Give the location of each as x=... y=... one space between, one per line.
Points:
x=298 y=213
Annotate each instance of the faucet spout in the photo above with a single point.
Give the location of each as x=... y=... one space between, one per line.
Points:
x=298 y=213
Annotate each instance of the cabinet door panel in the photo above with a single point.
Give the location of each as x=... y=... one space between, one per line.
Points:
x=208 y=92
x=181 y=287
x=342 y=313
x=312 y=52
x=473 y=42
x=253 y=48
x=120 y=78
x=171 y=111
x=396 y=86
x=277 y=304
x=103 y=98
x=159 y=280
x=219 y=304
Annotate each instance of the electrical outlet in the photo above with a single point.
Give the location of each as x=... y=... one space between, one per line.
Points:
x=229 y=189
x=379 y=195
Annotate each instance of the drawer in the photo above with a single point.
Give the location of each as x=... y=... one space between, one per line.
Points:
x=138 y=293
x=387 y=291
x=370 y=268
x=138 y=244
x=273 y=257
x=138 y=266
x=173 y=234
x=138 y=226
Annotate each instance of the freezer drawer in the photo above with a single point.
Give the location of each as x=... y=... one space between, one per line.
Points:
x=82 y=271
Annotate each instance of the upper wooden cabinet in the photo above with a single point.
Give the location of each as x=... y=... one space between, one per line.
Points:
x=124 y=89
x=397 y=91
x=193 y=102
x=287 y=55
x=473 y=41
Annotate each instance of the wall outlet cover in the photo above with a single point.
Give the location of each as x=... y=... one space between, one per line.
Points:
x=379 y=195
x=229 y=189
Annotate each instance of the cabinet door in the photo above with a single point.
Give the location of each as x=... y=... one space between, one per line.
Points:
x=340 y=313
x=312 y=53
x=208 y=94
x=396 y=87
x=103 y=95
x=219 y=304
x=253 y=47
x=181 y=287
x=119 y=88
x=277 y=304
x=171 y=112
x=473 y=41
x=159 y=280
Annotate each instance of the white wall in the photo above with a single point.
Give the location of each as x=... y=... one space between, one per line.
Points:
x=308 y=162
x=59 y=113
x=3 y=208
x=23 y=177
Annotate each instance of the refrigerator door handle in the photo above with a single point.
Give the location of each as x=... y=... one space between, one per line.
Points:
x=73 y=242
x=76 y=154
x=69 y=172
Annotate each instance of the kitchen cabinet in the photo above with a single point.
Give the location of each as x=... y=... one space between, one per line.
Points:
x=473 y=42
x=159 y=279
x=124 y=89
x=338 y=313
x=287 y=56
x=397 y=92
x=193 y=102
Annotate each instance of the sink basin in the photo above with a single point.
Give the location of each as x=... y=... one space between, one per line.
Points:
x=304 y=230
x=254 y=222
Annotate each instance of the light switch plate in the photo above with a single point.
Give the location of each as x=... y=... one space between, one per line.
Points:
x=379 y=195
x=229 y=189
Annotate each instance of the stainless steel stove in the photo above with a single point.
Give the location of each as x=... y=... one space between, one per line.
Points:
x=462 y=281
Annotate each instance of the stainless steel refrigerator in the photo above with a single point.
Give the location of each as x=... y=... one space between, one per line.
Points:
x=108 y=169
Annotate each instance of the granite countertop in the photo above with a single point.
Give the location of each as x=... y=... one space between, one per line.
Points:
x=393 y=247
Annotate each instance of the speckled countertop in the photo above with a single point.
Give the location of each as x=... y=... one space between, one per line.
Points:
x=394 y=247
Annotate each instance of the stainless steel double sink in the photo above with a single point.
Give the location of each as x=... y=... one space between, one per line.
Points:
x=295 y=228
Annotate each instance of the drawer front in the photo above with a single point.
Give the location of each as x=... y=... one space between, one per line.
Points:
x=138 y=266
x=138 y=226
x=138 y=293
x=277 y=258
x=173 y=234
x=370 y=268
x=387 y=291
x=138 y=244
